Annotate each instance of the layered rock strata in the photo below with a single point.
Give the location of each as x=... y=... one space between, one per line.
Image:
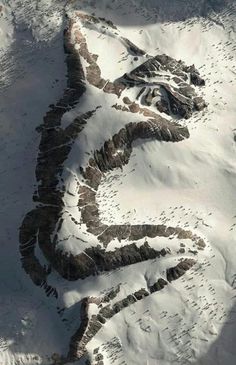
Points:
x=90 y=326
x=41 y=226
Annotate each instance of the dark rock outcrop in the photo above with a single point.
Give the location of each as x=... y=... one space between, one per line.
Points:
x=42 y=225
x=55 y=146
x=179 y=270
x=78 y=343
x=160 y=284
x=180 y=100
x=133 y=49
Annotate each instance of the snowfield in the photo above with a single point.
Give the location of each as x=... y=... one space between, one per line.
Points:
x=190 y=184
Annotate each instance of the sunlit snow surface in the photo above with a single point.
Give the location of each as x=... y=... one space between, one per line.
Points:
x=190 y=184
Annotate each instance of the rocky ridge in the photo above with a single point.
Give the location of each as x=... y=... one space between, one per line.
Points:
x=90 y=326
x=171 y=94
x=39 y=225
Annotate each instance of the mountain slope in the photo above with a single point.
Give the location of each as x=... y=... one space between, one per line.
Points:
x=131 y=229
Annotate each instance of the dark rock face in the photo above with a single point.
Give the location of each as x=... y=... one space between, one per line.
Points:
x=179 y=270
x=55 y=146
x=44 y=222
x=180 y=100
x=95 y=260
x=78 y=343
x=199 y=103
x=136 y=51
x=140 y=294
x=163 y=106
x=89 y=327
x=178 y=105
x=160 y=284
x=108 y=157
x=196 y=79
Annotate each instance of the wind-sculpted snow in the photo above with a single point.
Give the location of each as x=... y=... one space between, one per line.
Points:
x=140 y=120
x=113 y=298
x=90 y=326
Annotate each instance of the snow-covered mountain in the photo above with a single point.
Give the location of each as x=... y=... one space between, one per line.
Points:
x=117 y=172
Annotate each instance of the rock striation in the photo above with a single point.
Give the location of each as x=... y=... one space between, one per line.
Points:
x=167 y=85
x=171 y=93
x=90 y=326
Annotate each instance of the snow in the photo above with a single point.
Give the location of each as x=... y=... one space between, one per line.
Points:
x=190 y=184
x=30 y=328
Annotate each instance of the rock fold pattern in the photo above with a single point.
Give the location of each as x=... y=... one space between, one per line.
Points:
x=174 y=95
